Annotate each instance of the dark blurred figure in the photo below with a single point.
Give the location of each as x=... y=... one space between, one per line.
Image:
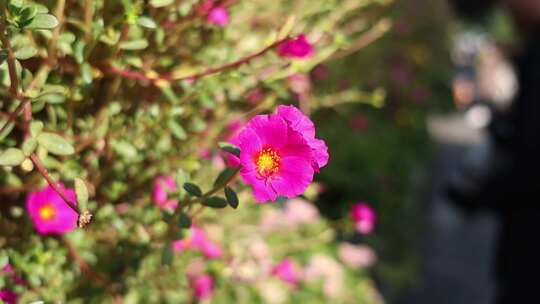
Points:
x=510 y=184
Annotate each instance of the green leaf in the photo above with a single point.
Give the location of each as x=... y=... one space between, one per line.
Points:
x=184 y=221
x=25 y=52
x=166 y=254
x=215 y=202
x=192 y=189
x=82 y=194
x=43 y=21
x=86 y=73
x=146 y=22
x=231 y=196
x=55 y=143
x=160 y=3
x=224 y=176
x=228 y=147
x=11 y=157
x=29 y=146
x=177 y=129
x=138 y=44
x=36 y=127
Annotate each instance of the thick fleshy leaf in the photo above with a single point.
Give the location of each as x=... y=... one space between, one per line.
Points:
x=215 y=202
x=55 y=143
x=231 y=196
x=11 y=157
x=43 y=21
x=192 y=189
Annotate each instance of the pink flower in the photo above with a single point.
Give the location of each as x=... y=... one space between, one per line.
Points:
x=279 y=153
x=287 y=271
x=8 y=296
x=303 y=125
x=356 y=256
x=203 y=286
x=49 y=213
x=199 y=241
x=161 y=186
x=298 y=47
x=218 y=15
x=363 y=217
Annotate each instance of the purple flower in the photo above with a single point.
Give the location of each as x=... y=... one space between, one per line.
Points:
x=287 y=271
x=298 y=47
x=203 y=286
x=162 y=185
x=279 y=154
x=49 y=213
x=218 y=15
x=364 y=217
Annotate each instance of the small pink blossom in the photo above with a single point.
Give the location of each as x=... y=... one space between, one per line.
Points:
x=255 y=96
x=364 y=217
x=199 y=241
x=218 y=15
x=160 y=194
x=203 y=286
x=298 y=47
x=49 y=213
x=8 y=296
x=279 y=153
x=356 y=256
x=288 y=271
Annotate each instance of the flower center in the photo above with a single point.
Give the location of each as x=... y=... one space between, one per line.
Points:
x=47 y=212
x=267 y=162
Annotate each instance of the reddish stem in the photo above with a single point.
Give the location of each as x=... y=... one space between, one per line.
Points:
x=130 y=74
x=51 y=182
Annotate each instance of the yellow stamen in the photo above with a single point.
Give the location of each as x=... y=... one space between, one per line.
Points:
x=47 y=212
x=268 y=162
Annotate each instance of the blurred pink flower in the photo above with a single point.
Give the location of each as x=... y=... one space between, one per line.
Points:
x=17 y=279
x=203 y=286
x=199 y=241
x=161 y=187
x=299 y=212
x=288 y=271
x=327 y=269
x=8 y=296
x=298 y=47
x=356 y=256
x=49 y=213
x=299 y=83
x=364 y=217
x=218 y=15
x=276 y=159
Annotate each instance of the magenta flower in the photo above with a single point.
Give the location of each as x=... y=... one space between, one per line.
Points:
x=218 y=15
x=303 y=125
x=287 y=271
x=8 y=296
x=279 y=153
x=298 y=47
x=199 y=241
x=49 y=213
x=364 y=217
x=162 y=185
x=203 y=286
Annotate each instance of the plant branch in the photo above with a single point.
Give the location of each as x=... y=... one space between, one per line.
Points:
x=156 y=79
x=51 y=182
